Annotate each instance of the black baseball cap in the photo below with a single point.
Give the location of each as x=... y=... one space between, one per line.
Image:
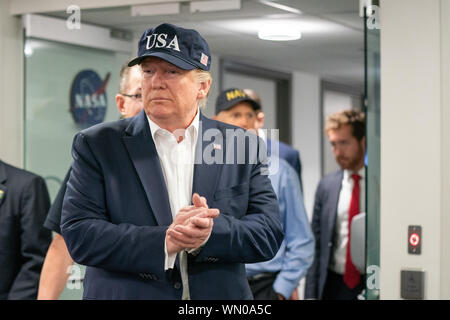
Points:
x=231 y=97
x=184 y=48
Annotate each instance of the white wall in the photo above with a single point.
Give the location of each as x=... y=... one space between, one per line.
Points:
x=445 y=145
x=215 y=90
x=414 y=142
x=306 y=131
x=11 y=87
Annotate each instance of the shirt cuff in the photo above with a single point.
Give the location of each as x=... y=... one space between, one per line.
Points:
x=284 y=287
x=169 y=261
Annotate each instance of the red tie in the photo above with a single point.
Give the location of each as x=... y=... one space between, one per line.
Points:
x=351 y=274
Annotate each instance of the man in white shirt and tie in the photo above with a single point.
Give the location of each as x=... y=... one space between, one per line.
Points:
x=339 y=197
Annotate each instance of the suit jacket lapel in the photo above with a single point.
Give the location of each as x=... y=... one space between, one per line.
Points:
x=3 y=179
x=335 y=190
x=205 y=172
x=143 y=154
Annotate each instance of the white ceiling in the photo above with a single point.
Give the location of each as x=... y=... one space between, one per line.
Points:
x=332 y=43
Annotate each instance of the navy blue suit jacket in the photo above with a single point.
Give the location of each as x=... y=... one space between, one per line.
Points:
x=24 y=202
x=291 y=156
x=323 y=222
x=116 y=212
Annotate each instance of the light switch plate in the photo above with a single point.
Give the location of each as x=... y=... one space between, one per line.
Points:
x=412 y=284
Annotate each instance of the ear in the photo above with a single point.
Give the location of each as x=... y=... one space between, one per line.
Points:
x=204 y=89
x=260 y=118
x=120 y=103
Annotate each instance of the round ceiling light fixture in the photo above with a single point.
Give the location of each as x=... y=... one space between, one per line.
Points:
x=279 y=33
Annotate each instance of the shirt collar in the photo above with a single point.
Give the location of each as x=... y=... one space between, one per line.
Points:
x=262 y=135
x=361 y=172
x=191 y=129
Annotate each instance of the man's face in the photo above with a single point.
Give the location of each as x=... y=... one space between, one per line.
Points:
x=241 y=115
x=348 y=151
x=170 y=95
x=133 y=105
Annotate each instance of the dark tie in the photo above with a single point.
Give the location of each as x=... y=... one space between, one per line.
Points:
x=351 y=274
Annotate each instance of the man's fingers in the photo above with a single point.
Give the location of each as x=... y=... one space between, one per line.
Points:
x=210 y=213
x=191 y=232
x=182 y=216
x=186 y=209
x=198 y=201
x=179 y=244
x=205 y=204
x=201 y=222
x=199 y=212
x=187 y=237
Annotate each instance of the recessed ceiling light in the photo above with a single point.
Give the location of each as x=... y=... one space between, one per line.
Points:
x=279 y=33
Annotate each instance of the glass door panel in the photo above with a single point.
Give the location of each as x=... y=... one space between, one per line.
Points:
x=67 y=88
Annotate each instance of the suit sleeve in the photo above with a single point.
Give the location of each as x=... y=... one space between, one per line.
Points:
x=53 y=220
x=34 y=239
x=256 y=236
x=92 y=239
x=312 y=277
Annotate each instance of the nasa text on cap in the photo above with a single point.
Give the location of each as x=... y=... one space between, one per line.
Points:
x=232 y=97
x=184 y=48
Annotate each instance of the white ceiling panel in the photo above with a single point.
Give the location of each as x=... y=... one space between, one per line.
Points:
x=331 y=45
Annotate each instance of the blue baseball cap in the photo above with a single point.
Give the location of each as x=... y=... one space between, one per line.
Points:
x=184 y=48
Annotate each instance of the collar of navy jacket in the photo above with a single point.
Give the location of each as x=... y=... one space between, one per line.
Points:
x=142 y=150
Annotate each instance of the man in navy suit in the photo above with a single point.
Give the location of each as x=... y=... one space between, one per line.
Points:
x=332 y=275
x=279 y=277
x=24 y=202
x=166 y=205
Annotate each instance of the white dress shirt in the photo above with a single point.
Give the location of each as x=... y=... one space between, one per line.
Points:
x=339 y=254
x=177 y=164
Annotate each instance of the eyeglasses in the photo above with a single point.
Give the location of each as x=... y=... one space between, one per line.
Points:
x=137 y=96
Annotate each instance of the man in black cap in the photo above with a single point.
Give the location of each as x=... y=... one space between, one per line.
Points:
x=277 y=278
x=143 y=210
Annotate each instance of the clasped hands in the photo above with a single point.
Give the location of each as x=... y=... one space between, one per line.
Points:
x=191 y=227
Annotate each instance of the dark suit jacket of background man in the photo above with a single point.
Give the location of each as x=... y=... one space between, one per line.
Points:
x=291 y=155
x=24 y=203
x=323 y=223
x=116 y=212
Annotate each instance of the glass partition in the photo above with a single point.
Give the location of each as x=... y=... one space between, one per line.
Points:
x=372 y=103
x=67 y=88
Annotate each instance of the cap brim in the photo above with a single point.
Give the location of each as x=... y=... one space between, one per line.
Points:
x=180 y=63
x=231 y=104
x=254 y=104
